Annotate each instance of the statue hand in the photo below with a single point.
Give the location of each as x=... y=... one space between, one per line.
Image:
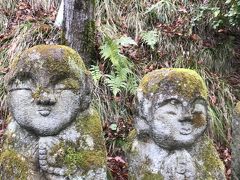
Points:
x=47 y=160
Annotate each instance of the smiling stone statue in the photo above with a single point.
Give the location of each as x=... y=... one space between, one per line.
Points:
x=54 y=134
x=168 y=142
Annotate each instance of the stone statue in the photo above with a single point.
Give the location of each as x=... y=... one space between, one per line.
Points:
x=168 y=141
x=236 y=143
x=53 y=133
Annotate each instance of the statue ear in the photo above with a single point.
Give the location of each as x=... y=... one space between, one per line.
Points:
x=86 y=93
x=143 y=129
x=143 y=105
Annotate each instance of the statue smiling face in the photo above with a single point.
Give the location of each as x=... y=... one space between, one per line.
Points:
x=48 y=86
x=172 y=107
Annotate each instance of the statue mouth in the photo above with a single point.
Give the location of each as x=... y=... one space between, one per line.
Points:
x=44 y=111
x=186 y=129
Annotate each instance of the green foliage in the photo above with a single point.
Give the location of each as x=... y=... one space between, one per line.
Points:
x=164 y=10
x=150 y=38
x=121 y=77
x=233 y=14
x=221 y=14
x=96 y=73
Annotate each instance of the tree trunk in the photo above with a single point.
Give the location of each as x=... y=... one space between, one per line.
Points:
x=79 y=27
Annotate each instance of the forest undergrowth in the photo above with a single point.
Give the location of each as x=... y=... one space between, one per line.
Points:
x=134 y=37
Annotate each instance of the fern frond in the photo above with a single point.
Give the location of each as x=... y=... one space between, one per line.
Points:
x=150 y=38
x=96 y=73
x=116 y=83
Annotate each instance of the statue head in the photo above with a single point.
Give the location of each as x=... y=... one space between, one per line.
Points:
x=48 y=85
x=172 y=107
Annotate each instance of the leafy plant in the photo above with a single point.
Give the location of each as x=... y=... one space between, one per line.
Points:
x=150 y=38
x=164 y=10
x=118 y=79
x=221 y=16
x=96 y=73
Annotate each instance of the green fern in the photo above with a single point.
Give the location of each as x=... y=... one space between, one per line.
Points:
x=118 y=80
x=150 y=38
x=96 y=73
x=116 y=83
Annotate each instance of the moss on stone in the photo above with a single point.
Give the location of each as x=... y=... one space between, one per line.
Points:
x=212 y=164
x=91 y=125
x=89 y=38
x=71 y=84
x=85 y=159
x=36 y=94
x=131 y=136
x=198 y=120
x=152 y=176
x=13 y=165
x=237 y=108
x=59 y=60
x=177 y=81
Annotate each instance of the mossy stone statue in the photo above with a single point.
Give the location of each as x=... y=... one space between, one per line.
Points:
x=168 y=141
x=236 y=143
x=53 y=133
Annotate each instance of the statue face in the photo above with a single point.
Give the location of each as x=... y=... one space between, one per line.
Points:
x=43 y=103
x=177 y=123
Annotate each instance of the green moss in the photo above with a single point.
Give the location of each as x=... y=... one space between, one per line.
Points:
x=237 y=108
x=89 y=37
x=211 y=160
x=36 y=94
x=145 y=173
x=152 y=176
x=85 y=159
x=131 y=136
x=71 y=84
x=76 y=156
x=198 y=120
x=91 y=125
x=57 y=59
x=184 y=82
x=13 y=166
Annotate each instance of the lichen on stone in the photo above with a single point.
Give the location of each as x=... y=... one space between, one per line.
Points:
x=237 y=108
x=212 y=165
x=10 y=162
x=59 y=60
x=198 y=120
x=130 y=138
x=85 y=160
x=91 y=125
x=152 y=176
x=178 y=81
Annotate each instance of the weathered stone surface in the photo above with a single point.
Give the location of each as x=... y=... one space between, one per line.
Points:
x=236 y=143
x=168 y=141
x=54 y=133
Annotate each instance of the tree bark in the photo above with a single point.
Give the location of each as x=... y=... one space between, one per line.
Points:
x=79 y=27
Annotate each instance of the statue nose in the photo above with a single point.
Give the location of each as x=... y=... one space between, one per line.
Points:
x=187 y=116
x=46 y=99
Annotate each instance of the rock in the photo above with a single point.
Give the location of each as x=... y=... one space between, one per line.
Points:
x=236 y=143
x=53 y=133
x=168 y=141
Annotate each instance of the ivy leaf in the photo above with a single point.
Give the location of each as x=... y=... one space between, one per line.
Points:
x=113 y=127
x=216 y=12
x=125 y=41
